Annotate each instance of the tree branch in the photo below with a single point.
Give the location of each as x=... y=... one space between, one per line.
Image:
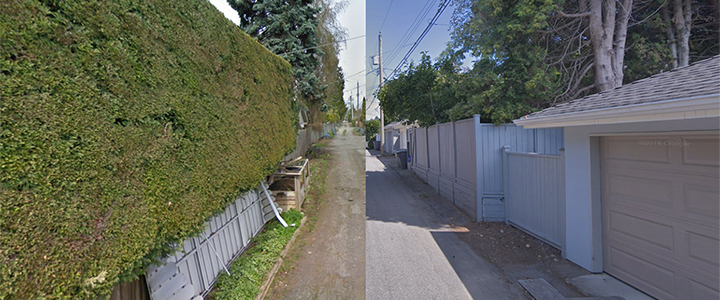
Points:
x=582 y=90
x=580 y=15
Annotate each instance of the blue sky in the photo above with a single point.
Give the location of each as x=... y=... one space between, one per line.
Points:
x=398 y=35
x=352 y=55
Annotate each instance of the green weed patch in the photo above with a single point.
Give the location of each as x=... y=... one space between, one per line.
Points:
x=248 y=272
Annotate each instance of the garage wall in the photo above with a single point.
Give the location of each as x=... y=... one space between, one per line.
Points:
x=583 y=234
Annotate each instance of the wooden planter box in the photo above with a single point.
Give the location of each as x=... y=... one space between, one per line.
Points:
x=289 y=183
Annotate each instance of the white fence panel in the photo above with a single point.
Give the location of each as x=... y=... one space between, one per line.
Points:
x=534 y=200
x=194 y=268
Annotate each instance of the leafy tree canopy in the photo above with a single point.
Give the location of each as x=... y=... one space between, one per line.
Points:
x=530 y=54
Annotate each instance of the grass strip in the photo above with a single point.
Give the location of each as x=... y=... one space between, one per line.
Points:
x=248 y=272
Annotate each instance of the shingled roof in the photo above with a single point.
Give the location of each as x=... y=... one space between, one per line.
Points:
x=701 y=78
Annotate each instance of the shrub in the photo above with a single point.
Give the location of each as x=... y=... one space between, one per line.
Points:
x=124 y=125
x=372 y=128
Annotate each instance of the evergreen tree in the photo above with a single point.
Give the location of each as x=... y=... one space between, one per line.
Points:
x=288 y=28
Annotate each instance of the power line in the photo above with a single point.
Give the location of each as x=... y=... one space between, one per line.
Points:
x=386 y=15
x=352 y=89
x=355 y=74
x=411 y=30
x=441 y=9
x=345 y=40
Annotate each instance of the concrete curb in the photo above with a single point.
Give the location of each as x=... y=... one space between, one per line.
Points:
x=265 y=287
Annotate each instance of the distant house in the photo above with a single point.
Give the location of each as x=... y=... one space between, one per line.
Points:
x=642 y=181
x=396 y=136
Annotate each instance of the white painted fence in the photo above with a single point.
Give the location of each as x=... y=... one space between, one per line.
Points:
x=191 y=271
x=535 y=194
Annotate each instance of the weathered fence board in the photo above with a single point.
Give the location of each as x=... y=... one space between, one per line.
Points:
x=310 y=134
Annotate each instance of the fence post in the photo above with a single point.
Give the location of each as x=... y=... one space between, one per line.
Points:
x=427 y=150
x=506 y=179
x=455 y=160
x=479 y=182
x=563 y=221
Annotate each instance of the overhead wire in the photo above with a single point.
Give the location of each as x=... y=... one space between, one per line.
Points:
x=386 y=15
x=441 y=9
x=318 y=46
x=411 y=30
x=443 y=5
x=424 y=11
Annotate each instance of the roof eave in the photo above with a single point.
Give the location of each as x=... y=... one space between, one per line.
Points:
x=705 y=106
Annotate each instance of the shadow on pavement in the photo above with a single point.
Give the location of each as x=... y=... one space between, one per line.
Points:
x=396 y=195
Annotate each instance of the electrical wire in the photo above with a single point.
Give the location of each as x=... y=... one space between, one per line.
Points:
x=318 y=46
x=411 y=30
x=441 y=9
x=443 y=5
x=386 y=15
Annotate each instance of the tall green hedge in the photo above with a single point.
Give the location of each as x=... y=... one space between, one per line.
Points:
x=124 y=125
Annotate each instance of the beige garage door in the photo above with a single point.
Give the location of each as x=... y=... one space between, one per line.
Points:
x=660 y=207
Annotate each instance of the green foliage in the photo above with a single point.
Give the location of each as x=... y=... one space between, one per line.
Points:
x=248 y=272
x=287 y=28
x=124 y=125
x=363 y=113
x=372 y=128
x=330 y=33
x=527 y=57
x=413 y=95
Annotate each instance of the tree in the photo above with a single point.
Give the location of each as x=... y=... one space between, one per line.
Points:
x=363 y=112
x=531 y=54
x=372 y=128
x=288 y=28
x=607 y=25
x=330 y=35
x=410 y=95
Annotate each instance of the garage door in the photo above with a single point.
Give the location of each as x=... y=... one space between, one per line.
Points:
x=660 y=207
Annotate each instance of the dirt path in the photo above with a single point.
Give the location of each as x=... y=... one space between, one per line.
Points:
x=328 y=261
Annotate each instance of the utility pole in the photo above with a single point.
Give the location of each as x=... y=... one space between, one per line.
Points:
x=358 y=94
x=382 y=116
x=352 y=110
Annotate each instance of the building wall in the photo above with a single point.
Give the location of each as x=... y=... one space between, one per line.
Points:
x=583 y=234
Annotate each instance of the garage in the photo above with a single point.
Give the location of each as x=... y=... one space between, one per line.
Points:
x=642 y=174
x=660 y=203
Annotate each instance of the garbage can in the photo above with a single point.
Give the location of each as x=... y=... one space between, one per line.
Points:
x=376 y=145
x=401 y=155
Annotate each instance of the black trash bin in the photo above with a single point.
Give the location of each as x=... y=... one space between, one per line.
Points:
x=401 y=155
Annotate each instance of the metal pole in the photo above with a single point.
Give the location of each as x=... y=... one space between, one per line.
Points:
x=382 y=116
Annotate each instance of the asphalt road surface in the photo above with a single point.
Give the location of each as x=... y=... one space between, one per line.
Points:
x=412 y=249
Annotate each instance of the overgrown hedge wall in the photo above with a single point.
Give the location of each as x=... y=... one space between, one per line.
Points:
x=124 y=125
